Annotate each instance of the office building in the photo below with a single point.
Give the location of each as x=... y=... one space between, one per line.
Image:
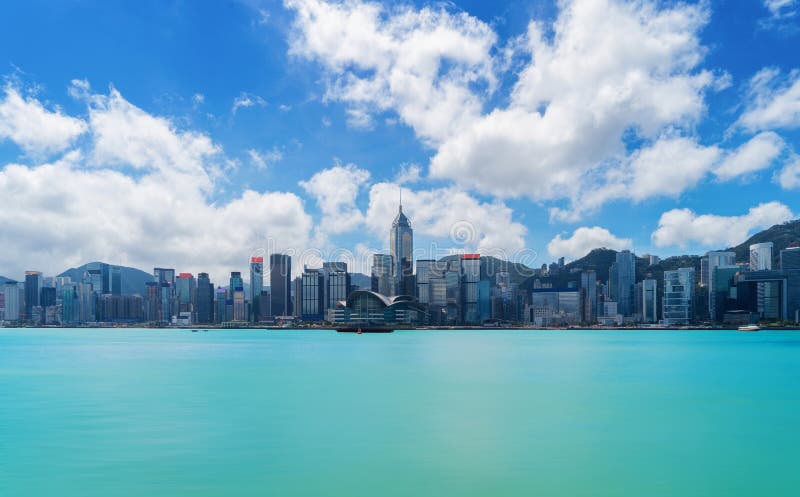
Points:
x=470 y=276
x=790 y=259
x=589 y=295
x=401 y=243
x=312 y=295
x=678 y=297
x=423 y=280
x=648 y=297
x=256 y=287
x=204 y=311
x=716 y=259
x=152 y=300
x=236 y=296
x=280 y=282
x=185 y=288
x=12 y=301
x=33 y=284
x=761 y=256
x=622 y=281
x=220 y=304
x=382 y=274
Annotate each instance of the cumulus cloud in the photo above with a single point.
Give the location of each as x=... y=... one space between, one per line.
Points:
x=605 y=70
x=681 y=227
x=335 y=190
x=773 y=101
x=37 y=130
x=789 y=176
x=423 y=64
x=583 y=240
x=756 y=154
x=137 y=194
x=450 y=215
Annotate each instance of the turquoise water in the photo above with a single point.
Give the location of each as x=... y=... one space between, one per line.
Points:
x=316 y=413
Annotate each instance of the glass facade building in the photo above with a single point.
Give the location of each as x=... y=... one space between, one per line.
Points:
x=678 y=297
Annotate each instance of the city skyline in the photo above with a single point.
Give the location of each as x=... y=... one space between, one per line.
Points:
x=119 y=144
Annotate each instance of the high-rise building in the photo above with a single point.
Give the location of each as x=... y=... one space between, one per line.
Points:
x=649 y=308
x=33 y=284
x=761 y=256
x=165 y=277
x=152 y=299
x=625 y=267
x=704 y=271
x=256 y=287
x=382 y=274
x=790 y=259
x=678 y=296
x=236 y=294
x=337 y=288
x=205 y=299
x=313 y=295
x=185 y=288
x=221 y=313
x=589 y=293
x=423 y=280
x=280 y=282
x=12 y=303
x=115 y=273
x=69 y=303
x=716 y=259
x=401 y=243
x=470 y=275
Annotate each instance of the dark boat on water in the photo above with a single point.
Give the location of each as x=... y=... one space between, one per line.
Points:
x=365 y=329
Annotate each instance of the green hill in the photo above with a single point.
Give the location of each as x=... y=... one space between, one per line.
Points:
x=781 y=236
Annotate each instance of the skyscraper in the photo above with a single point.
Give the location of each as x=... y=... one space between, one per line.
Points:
x=312 y=295
x=470 y=275
x=678 y=296
x=401 y=243
x=649 y=303
x=33 y=283
x=715 y=259
x=185 y=287
x=205 y=299
x=12 y=304
x=165 y=277
x=625 y=280
x=761 y=256
x=280 y=282
x=589 y=292
x=382 y=274
x=423 y=280
x=256 y=286
x=236 y=292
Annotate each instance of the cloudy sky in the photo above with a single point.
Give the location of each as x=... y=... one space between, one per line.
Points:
x=194 y=134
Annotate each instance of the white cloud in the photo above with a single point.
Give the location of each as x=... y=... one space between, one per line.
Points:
x=789 y=176
x=245 y=100
x=781 y=8
x=583 y=240
x=449 y=216
x=262 y=160
x=681 y=227
x=37 y=130
x=757 y=154
x=335 y=190
x=420 y=63
x=609 y=69
x=137 y=195
x=773 y=102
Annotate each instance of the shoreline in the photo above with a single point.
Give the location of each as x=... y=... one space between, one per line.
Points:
x=247 y=326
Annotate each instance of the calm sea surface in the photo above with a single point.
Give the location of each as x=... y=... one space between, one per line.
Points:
x=315 y=413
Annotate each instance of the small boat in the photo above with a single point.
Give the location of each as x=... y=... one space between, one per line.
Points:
x=749 y=327
x=368 y=329
x=194 y=331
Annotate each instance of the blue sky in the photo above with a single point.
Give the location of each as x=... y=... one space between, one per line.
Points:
x=196 y=133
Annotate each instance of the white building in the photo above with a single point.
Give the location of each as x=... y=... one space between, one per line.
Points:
x=678 y=295
x=761 y=257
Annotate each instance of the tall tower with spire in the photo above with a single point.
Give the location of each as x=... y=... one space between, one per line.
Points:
x=401 y=241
